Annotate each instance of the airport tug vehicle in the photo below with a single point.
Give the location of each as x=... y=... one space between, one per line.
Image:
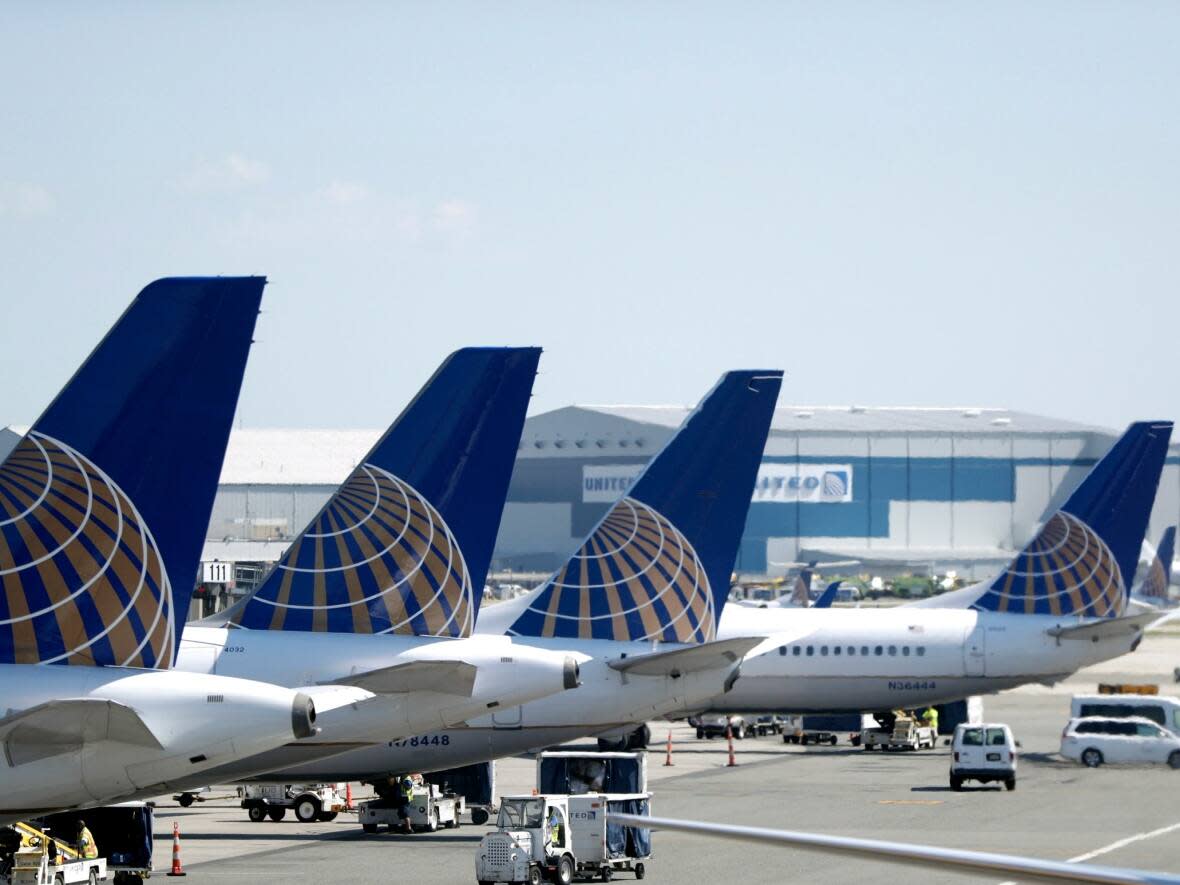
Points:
x=429 y=808
x=310 y=802
x=561 y=836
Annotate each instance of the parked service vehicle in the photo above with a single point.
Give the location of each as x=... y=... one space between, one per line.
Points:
x=910 y=734
x=765 y=725
x=1095 y=740
x=822 y=728
x=122 y=832
x=429 y=809
x=29 y=856
x=1159 y=709
x=310 y=802
x=984 y=753
x=715 y=724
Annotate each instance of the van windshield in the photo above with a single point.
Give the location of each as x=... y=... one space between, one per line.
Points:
x=520 y=814
x=973 y=737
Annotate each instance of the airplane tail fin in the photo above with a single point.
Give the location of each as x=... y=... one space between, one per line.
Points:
x=1159 y=575
x=658 y=564
x=801 y=588
x=105 y=502
x=1083 y=559
x=828 y=596
x=405 y=543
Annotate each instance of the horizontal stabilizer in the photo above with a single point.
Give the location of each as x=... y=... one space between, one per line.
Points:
x=1107 y=628
x=64 y=726
x=693 y=659
x=445 y=677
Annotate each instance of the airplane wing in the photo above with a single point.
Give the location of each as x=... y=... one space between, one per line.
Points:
x=445 y=677
x=828 y=596
x=63 y=726
x=1026 y=869
x=692 y=659
x=1106 y=628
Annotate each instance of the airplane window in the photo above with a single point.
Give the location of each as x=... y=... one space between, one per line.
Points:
x=892 y=650
x=852 y=649
x=864 y=650
x=810 y=650
x=797 y=650
x=905 y=650
x=823 y=650
x=879 y=650
x=921 y=649
x=782 y=650
x=836 y=649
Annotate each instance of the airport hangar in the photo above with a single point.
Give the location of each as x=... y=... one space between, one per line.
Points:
x=900 y=489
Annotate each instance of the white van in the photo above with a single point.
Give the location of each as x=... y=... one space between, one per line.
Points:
x=1098 y=739
x=983 y=752
x=1161 y=710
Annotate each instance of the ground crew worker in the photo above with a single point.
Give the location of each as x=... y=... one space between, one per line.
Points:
x=554 y=827
x=406 y=794
x=930 y=717
x=86 y=842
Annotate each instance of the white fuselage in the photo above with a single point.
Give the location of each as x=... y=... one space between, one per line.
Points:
x=876 y=659
x=606 y=700
x=199 y=722
x=507 y=673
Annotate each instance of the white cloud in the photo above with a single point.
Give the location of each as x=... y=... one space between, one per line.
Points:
x=453 y=216
x=24 y=199
x=232 y=172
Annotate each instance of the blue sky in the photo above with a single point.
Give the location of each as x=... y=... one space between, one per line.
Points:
x=926 y=203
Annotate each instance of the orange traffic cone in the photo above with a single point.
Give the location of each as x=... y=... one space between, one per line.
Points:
x=348 y=796
x=177 y=869
x=668 y=758
x=729 y=737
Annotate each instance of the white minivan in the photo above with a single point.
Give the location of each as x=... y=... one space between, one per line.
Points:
x=1095 y=740
x=983 y=752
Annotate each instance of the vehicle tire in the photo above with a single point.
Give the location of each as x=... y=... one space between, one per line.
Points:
x=565 y=870
x=59 y=879
x=1174 y=759
x=700 y=733
x=432 y=821
x=1009 y=784
x=479 y=816
x=606 y=873
x=93 y=876
x=452 y=824
x=832 y=740
x=185 y=800
x=956 y=783
x=326 y=816
x=307 y=810
x=740 y=734
x=640 y=871
x=854 y=740
x=534 y=875
x=1092 y=758
x=369 y=828
x=803 y=739
x=256 y=813
x=277 y=813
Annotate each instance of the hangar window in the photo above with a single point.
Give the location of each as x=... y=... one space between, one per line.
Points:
x=797 y=650
x=879 y=650
x=905 y=651
x=892 y=650
x=823 y=650
x=921 y=650
x=810 y=650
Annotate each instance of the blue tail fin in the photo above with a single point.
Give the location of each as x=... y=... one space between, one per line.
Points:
x=105 y=503
x=1083 y=559
x=1159 y=575
x=828 y=596
x=658 y=564
x=403 y=542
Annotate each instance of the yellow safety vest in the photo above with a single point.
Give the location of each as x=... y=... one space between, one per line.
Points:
x=86 y=843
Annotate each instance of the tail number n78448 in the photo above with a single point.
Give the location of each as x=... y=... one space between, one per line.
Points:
x=425 y=740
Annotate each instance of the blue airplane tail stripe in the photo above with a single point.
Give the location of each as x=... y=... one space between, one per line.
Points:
x=657 y=565
x=105 y=502
x=1082 y=560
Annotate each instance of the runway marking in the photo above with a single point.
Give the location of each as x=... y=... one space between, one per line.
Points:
x=911 y=802
x=1115 y=846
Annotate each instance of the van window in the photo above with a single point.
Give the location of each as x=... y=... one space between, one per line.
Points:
x=996 y=737
x=1154 y=712
x=1147 y=731
x=973 y=737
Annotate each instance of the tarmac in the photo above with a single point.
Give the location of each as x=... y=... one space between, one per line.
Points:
x=1117 y=816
